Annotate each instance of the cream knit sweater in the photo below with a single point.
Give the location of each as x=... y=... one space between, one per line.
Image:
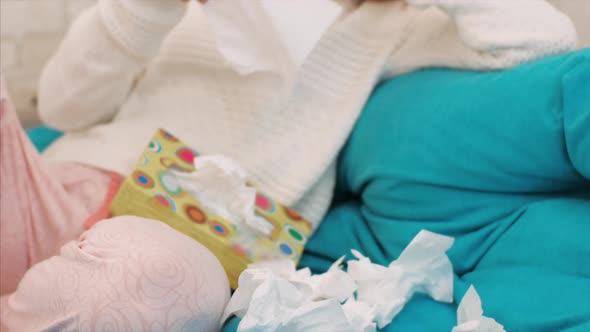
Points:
x=128 y=67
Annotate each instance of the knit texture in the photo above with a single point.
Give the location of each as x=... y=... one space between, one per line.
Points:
x=128 y=67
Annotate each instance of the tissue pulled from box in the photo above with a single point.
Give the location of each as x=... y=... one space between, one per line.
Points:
x=274 y=296
x=268 y=35
x=219 y=183
x=470 y=316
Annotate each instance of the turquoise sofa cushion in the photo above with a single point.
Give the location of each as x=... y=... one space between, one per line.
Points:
x=498 y=160
x=42 y=137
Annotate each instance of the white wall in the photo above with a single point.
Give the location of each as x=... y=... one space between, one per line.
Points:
x=30 y=31
x=579 y=11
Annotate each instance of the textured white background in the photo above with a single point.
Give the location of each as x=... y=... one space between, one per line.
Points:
x=30 y=31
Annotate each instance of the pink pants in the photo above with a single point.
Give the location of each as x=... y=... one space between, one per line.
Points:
x=124 y=274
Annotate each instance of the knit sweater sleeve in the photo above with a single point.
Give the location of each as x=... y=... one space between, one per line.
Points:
x=103 y=53
x=481 y=34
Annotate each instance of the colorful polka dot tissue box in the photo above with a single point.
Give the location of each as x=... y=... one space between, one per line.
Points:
x=153 y=191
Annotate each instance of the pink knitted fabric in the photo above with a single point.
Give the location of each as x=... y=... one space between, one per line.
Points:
x=124 y=274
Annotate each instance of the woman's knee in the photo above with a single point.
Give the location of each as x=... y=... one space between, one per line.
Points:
x=125 y=273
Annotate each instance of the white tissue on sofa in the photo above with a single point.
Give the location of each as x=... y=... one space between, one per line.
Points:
x=274 y=296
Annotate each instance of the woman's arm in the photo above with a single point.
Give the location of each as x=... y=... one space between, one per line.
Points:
x=482 y=34
x=95 y=67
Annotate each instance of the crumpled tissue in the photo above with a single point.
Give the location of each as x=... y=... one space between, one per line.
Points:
x=360 y=315
x=470 y=316
x=268 y=35
x=219 y=183
x=423 y=267
x=274 y=296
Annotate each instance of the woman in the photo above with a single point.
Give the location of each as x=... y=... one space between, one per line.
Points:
x=128 y=67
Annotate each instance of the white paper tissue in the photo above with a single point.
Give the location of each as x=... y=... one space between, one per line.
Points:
x=274 y=296
x=326 y=315
x=360 y=315
x=272 y=304
x=249 y=281
x=423 y=267
x=470 y=316
x=219 y=183
x=334 y=284
x=268 y=35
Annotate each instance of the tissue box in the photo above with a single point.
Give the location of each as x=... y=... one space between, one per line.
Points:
x=151 y=191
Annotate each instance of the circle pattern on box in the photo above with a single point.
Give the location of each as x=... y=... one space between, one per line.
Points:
x=168 y=136
x=292 y=214
x=242 y=251
x=166 y=162
x=295 y=234
x=219 y=228
x=187 y=155
x=195 y=214
x=169 y=183
x=144 y=160
x=155 y=146
x=143 y=180
x=287 y=249
x=265 y=203
x=165 y=200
